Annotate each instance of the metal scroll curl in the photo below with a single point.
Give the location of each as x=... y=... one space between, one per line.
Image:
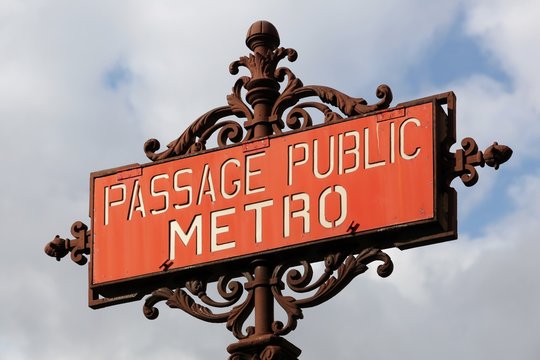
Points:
x=347 y=105
x=193 y=139
x=465 y=160
x=263 y=87
x=230 y=290
x=339 y=270
x=78 y=247
x=346 y=267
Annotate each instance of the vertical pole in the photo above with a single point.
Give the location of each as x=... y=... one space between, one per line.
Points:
x=263 y=343
x=261 y=95
x=263 y=90
x=264 y=300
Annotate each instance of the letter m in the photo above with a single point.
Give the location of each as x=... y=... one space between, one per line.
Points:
x=175 y=230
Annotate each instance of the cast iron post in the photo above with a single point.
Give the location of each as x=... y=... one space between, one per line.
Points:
x=263 y=90
x=263 y=344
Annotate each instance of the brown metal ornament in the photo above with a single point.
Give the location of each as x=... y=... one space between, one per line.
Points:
x=58 y=247
x=268 y=111
x=268 y=105
x=466 y=159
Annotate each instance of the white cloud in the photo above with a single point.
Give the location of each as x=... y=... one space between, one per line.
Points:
x=510 y=31
x=501 y=109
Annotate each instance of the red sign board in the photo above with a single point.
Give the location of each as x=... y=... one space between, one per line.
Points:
x=342 y=181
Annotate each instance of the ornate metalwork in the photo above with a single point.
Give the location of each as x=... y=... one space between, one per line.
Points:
x=273 y=347
x=339 y=270
x=78 y=247
x=263 y=88
x=346 y=267
x=466 y=159
x=229 y=289
x=268 y=112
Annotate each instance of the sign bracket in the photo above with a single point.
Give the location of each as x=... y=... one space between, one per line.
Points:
x=78 y=247
x=264 y=284
x=466 y=159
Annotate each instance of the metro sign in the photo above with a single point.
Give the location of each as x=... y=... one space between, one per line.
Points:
x=350 y=183
x=253 y=217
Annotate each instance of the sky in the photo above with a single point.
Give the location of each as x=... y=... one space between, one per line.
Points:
x=84 y=84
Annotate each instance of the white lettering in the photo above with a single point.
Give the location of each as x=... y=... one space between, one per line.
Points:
x=163 y=193
x=316 y=172
x=186 y=188
x=342 y=208
x=292 y=163
x=402 y=152
x=175 y=229
x=138 y=194
x=113 y=203
x=354 y=151
x=216 y=230
x=367 y=164
x=250 y=173
x=206 y=179
x=235 y=182
x=302 y=213
x=392 y=143
x=258 y=216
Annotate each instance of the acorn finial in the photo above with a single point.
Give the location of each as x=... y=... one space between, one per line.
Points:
x=262 y=33
x=497 y=154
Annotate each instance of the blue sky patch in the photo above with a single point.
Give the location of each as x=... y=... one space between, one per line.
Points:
x=455 y=55
x=117 y=76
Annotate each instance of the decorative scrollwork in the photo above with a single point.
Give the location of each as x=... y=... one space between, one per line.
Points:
x=188 y=143
x=349 y=106
x=238 y=106
x=268 y=105
x=466 y=159
x=339 y=270
x=227 y=288
x=263 y=64
x=326 y=286
x=79 y=247
x=238 y=316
